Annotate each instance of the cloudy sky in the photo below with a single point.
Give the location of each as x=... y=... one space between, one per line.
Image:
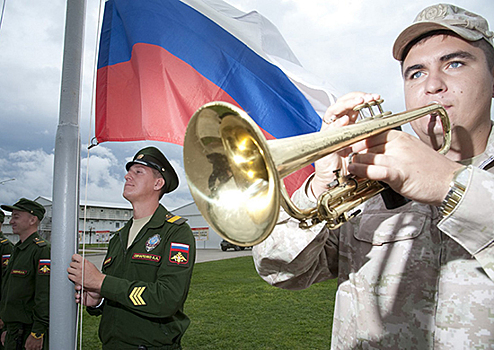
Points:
x=347 y=43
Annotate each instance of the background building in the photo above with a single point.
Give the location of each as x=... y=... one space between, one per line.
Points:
x=102 y=220
x=206 y=237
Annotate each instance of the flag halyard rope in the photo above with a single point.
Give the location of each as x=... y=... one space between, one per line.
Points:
x=91 y=144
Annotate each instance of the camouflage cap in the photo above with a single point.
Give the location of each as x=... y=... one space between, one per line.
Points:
x=2 y=217
x=153 y=158
x=27 y=205
x=467 y=25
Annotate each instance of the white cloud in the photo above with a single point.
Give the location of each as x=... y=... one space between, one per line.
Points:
x=103 y=185
x=32 y=171
x=106 y=177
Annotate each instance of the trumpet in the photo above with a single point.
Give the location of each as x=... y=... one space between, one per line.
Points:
x=235 y=175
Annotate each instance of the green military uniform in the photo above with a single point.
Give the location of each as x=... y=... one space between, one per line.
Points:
x=26 y=291
x=6 y=247
x=146 y=285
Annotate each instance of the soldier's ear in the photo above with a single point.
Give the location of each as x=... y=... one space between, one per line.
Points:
x=159 y=183
x=33 y=220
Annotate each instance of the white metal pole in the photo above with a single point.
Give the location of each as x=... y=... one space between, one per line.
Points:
x=63 y=311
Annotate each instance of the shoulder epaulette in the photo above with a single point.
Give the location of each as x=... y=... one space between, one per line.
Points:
x=4 y=241
x=39 y=242
x=175 y=219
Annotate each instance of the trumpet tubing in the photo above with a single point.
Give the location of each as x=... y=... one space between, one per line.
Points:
x=235 y=175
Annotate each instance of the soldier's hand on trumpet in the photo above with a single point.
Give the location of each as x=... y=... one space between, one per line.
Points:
x=339 y=114
x=406 y=164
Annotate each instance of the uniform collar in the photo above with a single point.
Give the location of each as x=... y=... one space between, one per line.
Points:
x=158 y=217
x=27 y=242
x=156 y=220
x=485 y=160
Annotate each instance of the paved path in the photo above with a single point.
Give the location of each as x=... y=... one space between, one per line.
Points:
x=96 y=256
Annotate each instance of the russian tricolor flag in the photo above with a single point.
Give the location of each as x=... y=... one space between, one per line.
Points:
x=180 y=247
x=179 y=254
x=160 y=60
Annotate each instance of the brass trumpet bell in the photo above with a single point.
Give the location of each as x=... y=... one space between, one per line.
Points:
x=235 y=175
x=231 y=176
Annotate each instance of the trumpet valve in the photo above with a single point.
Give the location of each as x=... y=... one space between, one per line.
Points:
x=370 y=108
x=336 y=181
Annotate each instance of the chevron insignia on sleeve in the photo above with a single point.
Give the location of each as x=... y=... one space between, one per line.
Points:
x=136 y=296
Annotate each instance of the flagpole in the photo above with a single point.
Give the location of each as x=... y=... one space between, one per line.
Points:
x=63 y=311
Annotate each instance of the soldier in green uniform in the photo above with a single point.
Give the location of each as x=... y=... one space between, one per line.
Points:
x=146 y=274
x=6 y=247
x=24 y=307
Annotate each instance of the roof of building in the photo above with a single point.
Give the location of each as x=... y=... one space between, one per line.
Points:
x=126 y=205
x=187 y=209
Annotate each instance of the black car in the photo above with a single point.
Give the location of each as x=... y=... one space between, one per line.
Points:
x=225 y=245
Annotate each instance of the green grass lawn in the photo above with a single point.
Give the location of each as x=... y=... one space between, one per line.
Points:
x=231 y=307
x=93 y=245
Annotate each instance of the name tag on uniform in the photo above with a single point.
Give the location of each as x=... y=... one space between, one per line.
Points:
x=146 y=257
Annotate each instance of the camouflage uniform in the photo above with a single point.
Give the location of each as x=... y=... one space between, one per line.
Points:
x=146 y=285
x=407 y=279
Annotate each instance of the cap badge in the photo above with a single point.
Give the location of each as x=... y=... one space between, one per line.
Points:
x=140 y=156
x=153 y=242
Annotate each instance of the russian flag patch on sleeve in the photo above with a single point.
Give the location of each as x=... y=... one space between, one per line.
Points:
x=5 y=260
x=179 y=254
x=44 y=267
